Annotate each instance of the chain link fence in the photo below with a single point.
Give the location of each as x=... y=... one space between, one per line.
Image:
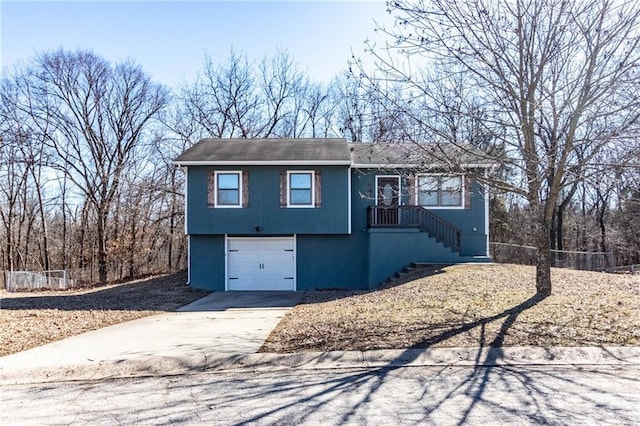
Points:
x=29 y=280
x=72 y=278
x=526 y=255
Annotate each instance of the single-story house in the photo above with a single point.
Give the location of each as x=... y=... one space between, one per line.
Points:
x=302 y=214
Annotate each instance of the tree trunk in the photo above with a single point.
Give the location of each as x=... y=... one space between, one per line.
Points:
x=554 y=229
x=543 y=262
x=559 y=229
x=102 y=245
x=81 y=235
x=132 y=244
x=63 y=196
x=45 y=228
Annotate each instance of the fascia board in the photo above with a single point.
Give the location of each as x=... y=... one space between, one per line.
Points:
x=411 y=166
x=265 y=163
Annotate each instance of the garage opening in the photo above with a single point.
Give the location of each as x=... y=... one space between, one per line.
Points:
x=263 y=264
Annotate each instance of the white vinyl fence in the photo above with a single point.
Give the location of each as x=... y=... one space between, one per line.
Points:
x=526 y=255
x=26 y=280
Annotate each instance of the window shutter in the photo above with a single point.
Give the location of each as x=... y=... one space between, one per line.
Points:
x=318 y=188
x=283 y=188
x=467 y=192
x=411 y=189
x=245 y=188
x=211 y=188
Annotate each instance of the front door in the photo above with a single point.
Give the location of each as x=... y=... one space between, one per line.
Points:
x=387 y=200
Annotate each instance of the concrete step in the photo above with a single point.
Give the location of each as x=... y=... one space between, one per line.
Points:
x=409 y=273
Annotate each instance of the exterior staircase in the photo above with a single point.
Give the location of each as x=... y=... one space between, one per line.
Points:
x=415 y=217
x=412 y=272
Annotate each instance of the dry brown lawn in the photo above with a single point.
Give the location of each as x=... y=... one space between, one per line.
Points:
x=468 y=306
x=463 y=305
x=29 y=319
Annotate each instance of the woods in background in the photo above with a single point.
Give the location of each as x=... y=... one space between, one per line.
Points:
x=87 y=184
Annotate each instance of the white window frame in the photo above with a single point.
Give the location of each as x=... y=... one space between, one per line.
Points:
x=215 y=189
x=439 y=176
x=313 y=189
x=377 y=188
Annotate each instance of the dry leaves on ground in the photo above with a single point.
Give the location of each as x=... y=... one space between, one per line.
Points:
x=29 y=319
x=468 y=306
x=462 y=305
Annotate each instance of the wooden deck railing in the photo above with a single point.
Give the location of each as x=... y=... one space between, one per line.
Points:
x=414 y=217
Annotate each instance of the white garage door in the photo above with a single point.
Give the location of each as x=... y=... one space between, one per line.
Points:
x=261 y=264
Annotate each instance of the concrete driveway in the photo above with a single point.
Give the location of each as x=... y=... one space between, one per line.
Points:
x=223 y=331
x=221 y=324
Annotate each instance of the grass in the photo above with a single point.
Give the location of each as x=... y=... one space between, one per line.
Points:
x=29 y=319
x=468 y=306
x=455 y=306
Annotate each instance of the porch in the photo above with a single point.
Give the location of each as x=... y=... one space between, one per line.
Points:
x=417 y=217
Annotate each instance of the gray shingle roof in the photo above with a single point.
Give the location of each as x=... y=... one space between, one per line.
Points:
x=261 y=151
x=330 y=151
x=412 y=155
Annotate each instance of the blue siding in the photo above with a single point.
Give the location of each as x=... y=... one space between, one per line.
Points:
x=331 y=261
x=473 y=242
x=264 y=205
x=326 y=255
x=390 y=250
x=207 y=262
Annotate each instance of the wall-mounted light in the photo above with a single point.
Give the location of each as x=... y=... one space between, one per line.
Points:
x=258 y=228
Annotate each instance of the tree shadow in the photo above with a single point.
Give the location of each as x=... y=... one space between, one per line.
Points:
x=438 y=395
x=537 y=395
x=446 y=394
x=510 y=316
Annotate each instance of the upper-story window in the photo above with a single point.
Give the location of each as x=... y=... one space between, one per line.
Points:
x=300 y=192
x=228 y=189
x=440 y=191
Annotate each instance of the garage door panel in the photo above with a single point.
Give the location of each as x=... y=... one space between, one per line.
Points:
x=261 y=264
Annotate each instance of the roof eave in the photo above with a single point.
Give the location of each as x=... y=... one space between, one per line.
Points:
x=263 y=163
x=412 y=166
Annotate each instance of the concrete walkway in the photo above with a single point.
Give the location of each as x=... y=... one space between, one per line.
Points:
x=223 y=332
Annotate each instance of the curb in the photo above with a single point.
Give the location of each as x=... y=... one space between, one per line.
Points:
x=307 y=361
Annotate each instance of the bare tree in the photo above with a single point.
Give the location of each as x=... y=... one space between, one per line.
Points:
x=22 y=160
x=281 y=85
x=100 y=114
x=556 y=79
x=223 y=99
x=242 y=99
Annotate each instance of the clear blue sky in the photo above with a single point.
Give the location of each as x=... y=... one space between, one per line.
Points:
x=170 y=38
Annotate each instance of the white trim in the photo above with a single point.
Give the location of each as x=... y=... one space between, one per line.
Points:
x=295 y=262
x=188 y=259
x=486 y=215
x=265 y=163
x=313 y=189
x=186 y=198
x=349 y=200
x=215 y=189
x=438 y=207
x=226 y=262
x=321 y=163
x=399 y=187
x=413 y=166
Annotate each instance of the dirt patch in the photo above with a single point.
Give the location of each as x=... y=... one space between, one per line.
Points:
x=467 y=306
x=29 y=319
